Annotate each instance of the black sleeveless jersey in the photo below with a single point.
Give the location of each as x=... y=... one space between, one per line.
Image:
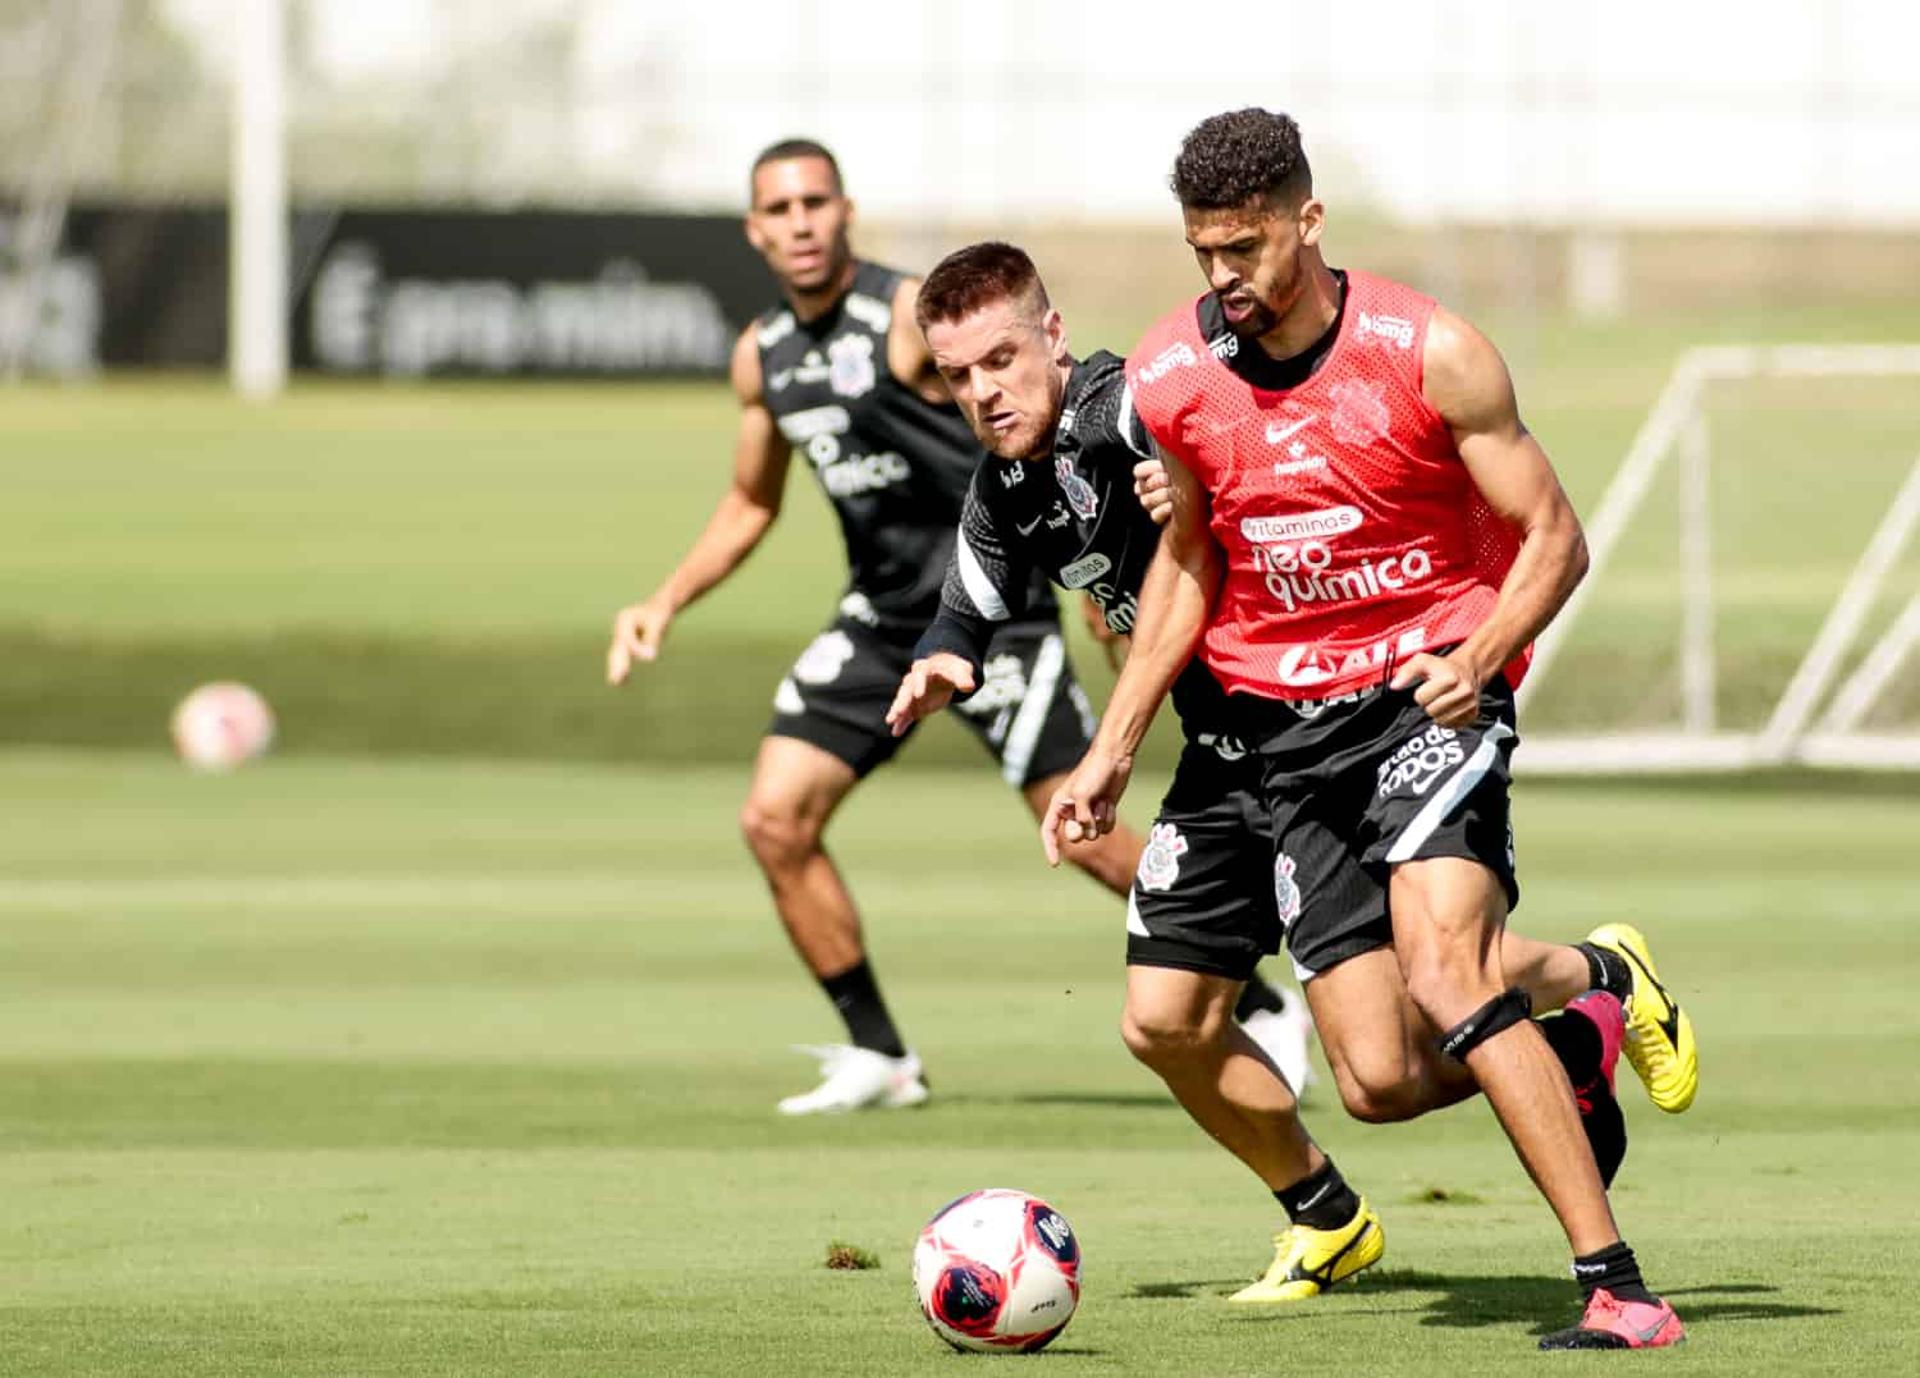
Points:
x=895 y=467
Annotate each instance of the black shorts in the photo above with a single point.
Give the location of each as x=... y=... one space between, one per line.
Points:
x=1357 y=786
x=1030 y=711
x=1203 y=896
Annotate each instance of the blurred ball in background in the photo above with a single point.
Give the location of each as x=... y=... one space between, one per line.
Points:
x=221 y=726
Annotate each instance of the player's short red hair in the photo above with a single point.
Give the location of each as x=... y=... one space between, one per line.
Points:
x=976 y=276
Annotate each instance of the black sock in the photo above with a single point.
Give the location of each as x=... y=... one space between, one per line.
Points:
x=1576 y=1043
x=1607 y=970
x=857 y=996
x=1613 y=1268
x=1321 y=1200
x=1257 y=995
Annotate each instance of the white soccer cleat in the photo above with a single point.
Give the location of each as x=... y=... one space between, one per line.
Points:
x=1284 y=1036
x=858 y=1079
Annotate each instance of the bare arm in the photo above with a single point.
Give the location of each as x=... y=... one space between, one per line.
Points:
x=1468 y=384
x=744 y=515
x=1176 y=596
x=908 y=358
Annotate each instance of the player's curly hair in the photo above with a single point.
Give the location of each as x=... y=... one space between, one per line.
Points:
x=1228 y=160
x=976 y=276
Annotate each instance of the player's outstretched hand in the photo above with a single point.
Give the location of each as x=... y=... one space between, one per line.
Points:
x=928 y=687
x=637 y=633
x=1150 y=485
x=1087 y=804
x=1449 y=690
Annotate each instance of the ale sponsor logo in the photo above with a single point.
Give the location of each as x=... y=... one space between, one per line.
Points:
x=1300 y=667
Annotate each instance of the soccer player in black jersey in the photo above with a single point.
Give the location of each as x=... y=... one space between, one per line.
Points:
x=839 y=372
x=1208 y=900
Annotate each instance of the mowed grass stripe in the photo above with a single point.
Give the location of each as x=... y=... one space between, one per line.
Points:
x=371 y=1132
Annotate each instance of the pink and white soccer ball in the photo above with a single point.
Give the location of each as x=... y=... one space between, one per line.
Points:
x=220 y=726
x=997 y=1271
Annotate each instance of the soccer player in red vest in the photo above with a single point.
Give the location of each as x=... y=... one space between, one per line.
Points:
x=1365 y=540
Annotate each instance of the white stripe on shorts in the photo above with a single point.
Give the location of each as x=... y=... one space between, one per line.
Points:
x=1024 y=735
x=1416 y=833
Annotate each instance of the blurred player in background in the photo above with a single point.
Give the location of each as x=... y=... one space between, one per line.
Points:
x=1206 y=902
x=1364 y=542
x=841 y=373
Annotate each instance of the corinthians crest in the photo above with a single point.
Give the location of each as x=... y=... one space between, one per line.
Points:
x=1080 y=495
x=1360 y=414
x=1286 y=894
x=850 y=364
x=1160 y=862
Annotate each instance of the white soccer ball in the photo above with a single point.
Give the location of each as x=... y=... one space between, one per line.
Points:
x=997 y=1271
x=220 y=726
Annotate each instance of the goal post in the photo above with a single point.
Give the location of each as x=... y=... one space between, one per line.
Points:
x=1796 y=731
x=257 y=294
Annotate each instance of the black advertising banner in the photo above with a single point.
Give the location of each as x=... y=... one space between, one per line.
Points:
x=409 y=293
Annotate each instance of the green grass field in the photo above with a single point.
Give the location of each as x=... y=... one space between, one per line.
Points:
x=384 y=1068
x=446 y=1041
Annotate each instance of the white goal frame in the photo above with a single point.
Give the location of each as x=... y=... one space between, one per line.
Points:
x=1677 y=426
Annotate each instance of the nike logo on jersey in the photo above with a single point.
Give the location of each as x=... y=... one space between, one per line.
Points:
x=1278 y=434
x=1026 y=528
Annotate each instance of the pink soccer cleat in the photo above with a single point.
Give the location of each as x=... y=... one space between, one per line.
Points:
x=1611 y=1323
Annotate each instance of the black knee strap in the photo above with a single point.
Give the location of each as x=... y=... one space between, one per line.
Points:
x=1502 y=1012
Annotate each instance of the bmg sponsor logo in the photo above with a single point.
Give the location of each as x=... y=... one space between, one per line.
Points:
x=1394 y=329
x=1178 y=355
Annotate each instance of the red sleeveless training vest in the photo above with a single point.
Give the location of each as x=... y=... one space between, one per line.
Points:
x=1354 y=535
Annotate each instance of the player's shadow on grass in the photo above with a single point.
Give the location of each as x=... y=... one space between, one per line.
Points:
x=1468 y=1302
x=1180 y=1291
x=1079 y=1100
x=1471 y=1302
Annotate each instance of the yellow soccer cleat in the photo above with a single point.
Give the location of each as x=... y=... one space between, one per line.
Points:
x=1659 y=1035
x=1306 y=1262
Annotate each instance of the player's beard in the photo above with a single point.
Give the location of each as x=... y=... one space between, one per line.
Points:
x=1020 y=443
x=1017 y=444
x=1260 y=318
x=824 y=273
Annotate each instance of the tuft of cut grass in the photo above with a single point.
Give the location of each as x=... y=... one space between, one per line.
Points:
x=850 y=1257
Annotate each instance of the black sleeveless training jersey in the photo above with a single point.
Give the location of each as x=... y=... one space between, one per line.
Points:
x=895 y=467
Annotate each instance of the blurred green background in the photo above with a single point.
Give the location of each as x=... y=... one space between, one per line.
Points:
x=431 y=568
